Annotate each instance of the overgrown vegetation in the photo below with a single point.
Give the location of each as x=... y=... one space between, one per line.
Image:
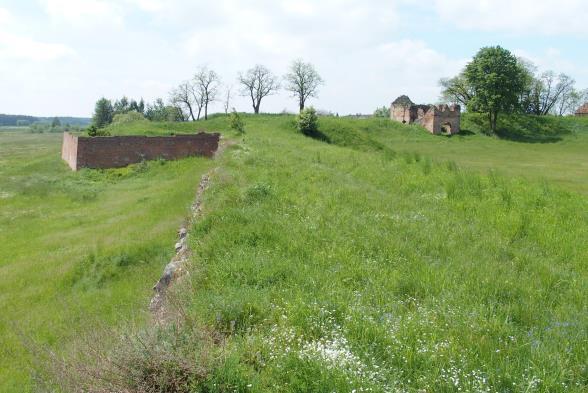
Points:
x=79 y=249
x=496 y=82
x=319 y=267
x=388 y=259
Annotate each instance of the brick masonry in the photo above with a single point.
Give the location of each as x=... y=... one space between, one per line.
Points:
x=438 y=119
x=119 y=151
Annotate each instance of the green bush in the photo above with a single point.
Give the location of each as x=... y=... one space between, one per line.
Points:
x=129 y=117
x=236 y=122
x=95 y=131
x=308 y=122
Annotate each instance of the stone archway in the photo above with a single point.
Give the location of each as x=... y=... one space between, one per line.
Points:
x=446 y=129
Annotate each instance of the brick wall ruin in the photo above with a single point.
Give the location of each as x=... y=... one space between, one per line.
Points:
x=119 y=151
x=438 y=119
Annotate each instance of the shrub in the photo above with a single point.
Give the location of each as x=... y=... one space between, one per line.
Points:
x=95 y=131
x=236 y=122
x=383 y=112
x=129 y=117
x=308 y=122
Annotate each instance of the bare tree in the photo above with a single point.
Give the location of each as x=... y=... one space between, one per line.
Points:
x=258 y=82
x=228 y=97
x=566 y=93
x=206 y=86
x=548 y=91
x=303 y=81
x=183 y=98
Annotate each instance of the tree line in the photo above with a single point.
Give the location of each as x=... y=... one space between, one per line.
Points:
x=191 y=99
x=497 y=82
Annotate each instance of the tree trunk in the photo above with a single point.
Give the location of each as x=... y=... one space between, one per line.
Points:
x=205 y=111
x=199 y=112
x=493 y=121
x=191 y=112
x=256 y=107
x=301 y=105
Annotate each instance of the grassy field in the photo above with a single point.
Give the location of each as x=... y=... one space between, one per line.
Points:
x=387 y=260
x=552 y=149
x=79 y=249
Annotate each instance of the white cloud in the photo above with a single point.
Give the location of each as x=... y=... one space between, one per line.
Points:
x=24 y=48
x=5 y=17
x=85 y=13
x=19 y=46
x=365 y=50
x=530 y=17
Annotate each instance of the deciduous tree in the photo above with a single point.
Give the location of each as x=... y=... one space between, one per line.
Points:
x=497 y=80
x=258 y=83
x=184 y=97
x=303 y=81
x=206 y=86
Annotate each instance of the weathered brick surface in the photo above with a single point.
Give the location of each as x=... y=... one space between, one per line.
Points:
x=120 y=151
x=435 y=118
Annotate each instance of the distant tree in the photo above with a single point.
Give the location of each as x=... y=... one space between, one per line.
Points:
x=258 y=83
x=23 y=123
x=103 y=113
x=184 y=98
x=303 y=81
x=55 y=122
x=158 y=111
x=133 y=106
x=382 y=112
x=497 y=81
x=122 y=105
x=141 y=106
x=456 y=90
x=549 y=89
x=206 y=86
x=228 y=97
x=570 y=103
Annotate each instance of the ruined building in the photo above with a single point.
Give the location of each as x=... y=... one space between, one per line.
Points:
x=438 y=119
x=583 y=110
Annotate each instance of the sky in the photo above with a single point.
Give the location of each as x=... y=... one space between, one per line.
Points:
x=57 y=57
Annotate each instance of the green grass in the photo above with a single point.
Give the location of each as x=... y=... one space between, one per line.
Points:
x=386 y=260
x=79 y=249
x=327 y=268
x=546 y=148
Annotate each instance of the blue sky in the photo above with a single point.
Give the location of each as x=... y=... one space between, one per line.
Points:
x=57 y=57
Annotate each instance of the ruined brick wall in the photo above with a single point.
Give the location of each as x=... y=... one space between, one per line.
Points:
x=436 y=119
x=120 y=151
x=400 y=113
x=69 y=150
x=447 y=118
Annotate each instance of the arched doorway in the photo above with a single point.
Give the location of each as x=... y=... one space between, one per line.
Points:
x=446 y=129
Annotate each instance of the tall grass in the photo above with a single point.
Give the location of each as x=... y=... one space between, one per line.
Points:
x=79 y=248
x=323 y=268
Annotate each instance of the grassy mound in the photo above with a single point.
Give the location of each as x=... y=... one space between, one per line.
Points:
x=521 y=128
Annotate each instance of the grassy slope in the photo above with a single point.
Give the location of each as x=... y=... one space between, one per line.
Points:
x=329 y=269
x=79 y=248
x=556 y=150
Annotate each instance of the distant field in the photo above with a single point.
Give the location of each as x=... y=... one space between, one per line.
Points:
x=79 y=249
